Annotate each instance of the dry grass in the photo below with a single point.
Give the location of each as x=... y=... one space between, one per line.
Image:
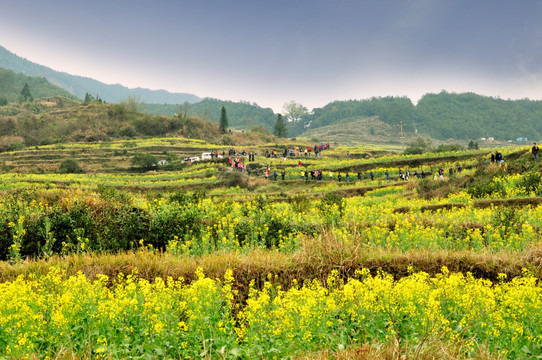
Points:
x=428 y=350
x=432 y=350
x=314 y=260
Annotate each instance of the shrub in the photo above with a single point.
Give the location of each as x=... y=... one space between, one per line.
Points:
x=531 y=184
x=226 y=140
x=449 y=147
x=145 y=161
x=11 y=143
x=235 y=178
x=70 y=166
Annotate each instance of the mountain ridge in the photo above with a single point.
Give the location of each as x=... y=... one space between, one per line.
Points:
x=80 y=85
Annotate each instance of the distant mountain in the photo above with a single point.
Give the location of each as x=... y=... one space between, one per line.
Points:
x=79 y=86
x=12 y=84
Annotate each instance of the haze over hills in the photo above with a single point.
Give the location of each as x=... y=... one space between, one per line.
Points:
x=464 y=116
x=11 y=85
x=79 y=85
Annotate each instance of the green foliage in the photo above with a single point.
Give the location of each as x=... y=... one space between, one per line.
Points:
x=280 y=127
x=300 y=203
x=419 y=146
x=241 y=115
x=13 y=85
x=390 y=110
x=329 y=199
x=25 y=93
x=473 y=145
x=70 y=166
x=155 y=125
x=78 y=85
x=484 y=187
x=132 y=104
x=226 y=140
x=144 y=161
x=531 y=183
x=467 y=116
x=295 y=112
x=448 y=147
x=17 y=145
x=91 y=99
x=442 y=116
x=88 y=99
x=223 y=120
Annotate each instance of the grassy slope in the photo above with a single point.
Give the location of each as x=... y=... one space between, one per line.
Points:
x=315 y=259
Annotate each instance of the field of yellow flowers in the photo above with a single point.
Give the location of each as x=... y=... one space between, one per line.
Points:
x=127 y=317
x=190 y=213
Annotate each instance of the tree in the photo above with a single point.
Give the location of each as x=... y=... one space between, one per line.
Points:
x=70 y=166
x=25 y=93
x=280 y=127
x=132 y=104
x=418 y=146
x=182 y=110
x=145 y=161
x=473 y=145
x=88 y=99
x=294 y=112
x=223 y=120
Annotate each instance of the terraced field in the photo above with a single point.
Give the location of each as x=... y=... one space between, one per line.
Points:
x=201 y=260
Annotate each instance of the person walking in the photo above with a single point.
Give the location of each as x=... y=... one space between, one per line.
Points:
x=535 y=150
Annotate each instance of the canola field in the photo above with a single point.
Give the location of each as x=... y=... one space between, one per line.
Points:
x=133 y=318
x=209 y=209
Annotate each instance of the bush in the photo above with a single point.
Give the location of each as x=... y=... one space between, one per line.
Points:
x=16 y=146
x=70 y=166
x=414 y=150
x=145 y=161
x=418 y=146
x=531 y=184
x=11 y=142
x=449 y=147
x=226 y=140
x=235 y=178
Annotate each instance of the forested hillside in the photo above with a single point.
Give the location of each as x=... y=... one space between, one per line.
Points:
x=391 y=110
x=79 y=86
x=443 y=116
x=471 y=116
x=12 y=84
x=241 y=115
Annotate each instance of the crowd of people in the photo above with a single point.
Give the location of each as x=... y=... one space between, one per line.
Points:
x=298 y=151
x=237 y=161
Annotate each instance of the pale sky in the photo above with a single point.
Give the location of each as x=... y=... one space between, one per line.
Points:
x=272 y=52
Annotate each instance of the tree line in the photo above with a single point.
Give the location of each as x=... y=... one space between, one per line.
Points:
x=464 y=116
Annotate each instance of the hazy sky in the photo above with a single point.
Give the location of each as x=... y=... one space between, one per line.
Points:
x=271 y=52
